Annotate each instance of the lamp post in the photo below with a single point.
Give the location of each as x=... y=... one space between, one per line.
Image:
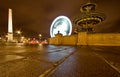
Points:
x=40 y=36
x=18 y=32
x=18 y=35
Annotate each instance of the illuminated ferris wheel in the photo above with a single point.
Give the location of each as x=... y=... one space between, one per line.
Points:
x=61 y=24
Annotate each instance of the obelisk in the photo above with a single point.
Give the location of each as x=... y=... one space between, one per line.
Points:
x=10 y=26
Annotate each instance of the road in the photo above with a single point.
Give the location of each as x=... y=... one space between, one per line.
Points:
x=59 y=61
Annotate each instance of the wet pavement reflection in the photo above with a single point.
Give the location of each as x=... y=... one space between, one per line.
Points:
x=25 y=61
x=58 y=61
x=6 y=58
x=84 y=63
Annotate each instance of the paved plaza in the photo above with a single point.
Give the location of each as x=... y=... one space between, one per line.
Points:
x=59 y=61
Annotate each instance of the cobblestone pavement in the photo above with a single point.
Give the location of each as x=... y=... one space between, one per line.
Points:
x=85 y=63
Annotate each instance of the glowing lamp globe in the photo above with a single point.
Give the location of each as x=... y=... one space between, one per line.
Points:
x=61 y=24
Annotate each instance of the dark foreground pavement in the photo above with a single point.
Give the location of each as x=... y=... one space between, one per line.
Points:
x=85 y=62
x=60 y=61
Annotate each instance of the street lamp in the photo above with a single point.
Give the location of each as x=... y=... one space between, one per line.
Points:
x=18 y=35
x=40 y=35
x=18 y=32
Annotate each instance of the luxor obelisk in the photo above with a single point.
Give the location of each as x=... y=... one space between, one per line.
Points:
x=10 y=26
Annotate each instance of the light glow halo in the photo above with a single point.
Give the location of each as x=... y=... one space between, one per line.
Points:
x=61 y=24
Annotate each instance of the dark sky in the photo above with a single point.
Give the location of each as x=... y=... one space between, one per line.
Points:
x=35 y=16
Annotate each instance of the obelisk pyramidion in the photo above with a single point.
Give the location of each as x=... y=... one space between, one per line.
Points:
x=10 y=26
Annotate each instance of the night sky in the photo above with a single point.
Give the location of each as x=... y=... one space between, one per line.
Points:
x=33 y=17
